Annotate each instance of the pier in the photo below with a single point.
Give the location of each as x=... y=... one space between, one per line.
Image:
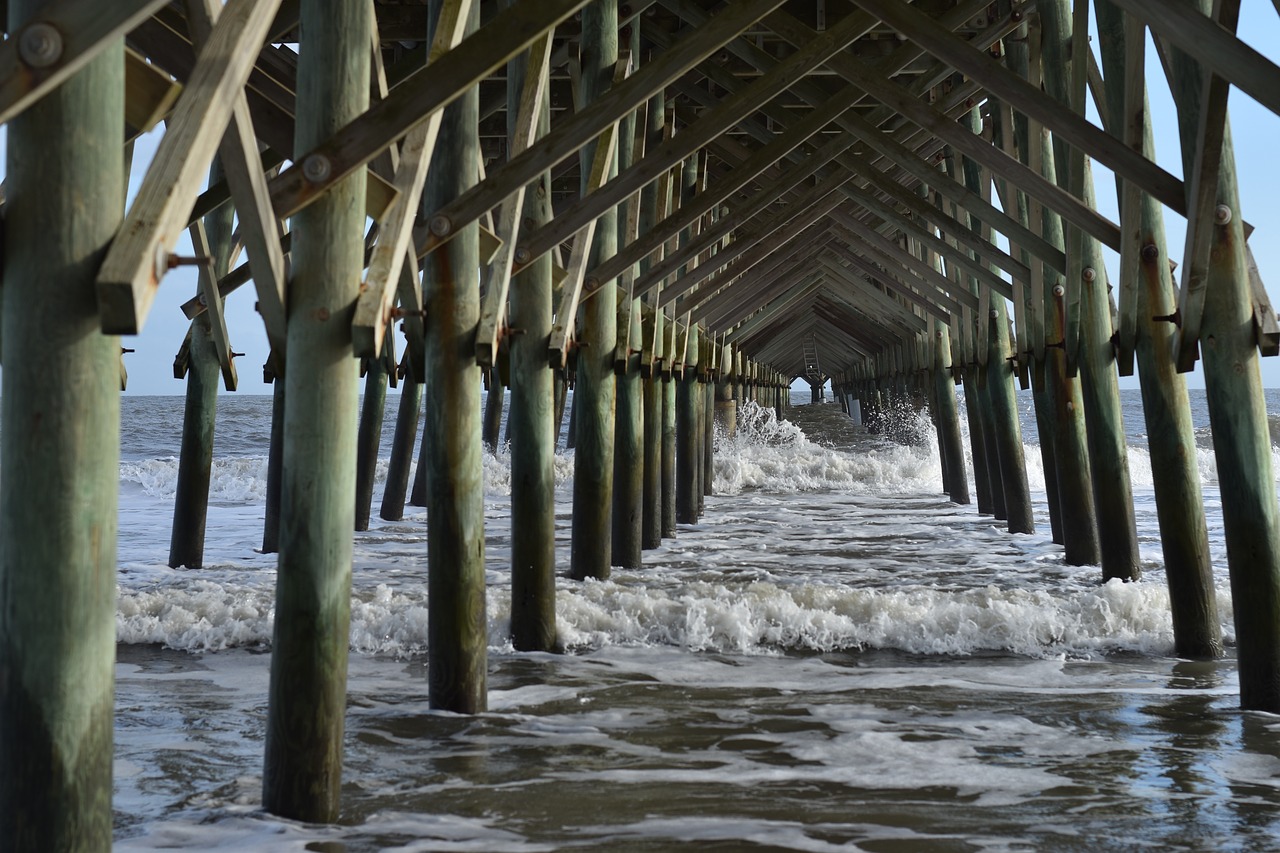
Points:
x=673 y=209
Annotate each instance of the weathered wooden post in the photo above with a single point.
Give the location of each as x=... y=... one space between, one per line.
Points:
x=628 y=447
x=369 y=438
x=1109 y=458
x=204 y=373
x=308 y=691
x=1166 y=405
x=1233 y=389
x=946 y=414
x=594 y=396
x=402 y=445
x=533 y=412
x=275 y=469
x=491 y=432
x=688 y=436
x=709 y=427
x=670 y=387
x=60 y=451
x=457 y=621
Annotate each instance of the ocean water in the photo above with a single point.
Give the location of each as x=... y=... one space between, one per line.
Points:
x=834 y=658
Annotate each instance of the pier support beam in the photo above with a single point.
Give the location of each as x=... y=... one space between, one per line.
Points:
x=308 y=691
x=457 y=620
x=594 y=396
x=670 y=389
x=1237 y=410
x=532 y=417
x=1166 y=406
x=402 y=445
x=957 y=480
x=204 y=373
x=60 y=451
x=688 y=438
x=369 y=438
x=1108 y=454
x=275 y=470
x=493 y=398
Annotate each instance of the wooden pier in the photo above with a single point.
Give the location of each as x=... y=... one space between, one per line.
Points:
x=675 y=208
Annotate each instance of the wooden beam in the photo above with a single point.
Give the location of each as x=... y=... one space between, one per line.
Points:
x=574 y=132
x=381 y=283
x=149 y=94
x=259 y=227
x=413 y=101
x=493 y=309
x=139 y=257
x=213 y=303
x=57 y=42
x=566 y=315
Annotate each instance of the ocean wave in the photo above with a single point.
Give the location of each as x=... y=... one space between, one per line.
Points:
x=751 y=618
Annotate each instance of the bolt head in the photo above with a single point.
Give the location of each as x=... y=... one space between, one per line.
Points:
x=40 y=45
x=1059 y=290
x=440 y=225
x=316 y=168
x=1089 y=274
x=1222 y=214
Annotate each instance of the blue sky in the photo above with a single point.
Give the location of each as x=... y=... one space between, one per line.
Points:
x=1256 y=131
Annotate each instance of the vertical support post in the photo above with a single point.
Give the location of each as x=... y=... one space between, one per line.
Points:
x=204 y=373
x=60 y=451
x=369 y=438
x=594 y=396
x=402 y=444
x=708 y=435
x=1237 y=413
x=1184 y=538
x=457 y=620
x=492 y=430
x=670 y=388
x=275 y=470
x=308 y=691
x=628 y=451
x=946 y=414
x=1109 y=458
x=534 y=427
x=688 y=436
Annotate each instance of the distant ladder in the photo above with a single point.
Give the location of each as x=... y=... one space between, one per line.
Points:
x=811 y=369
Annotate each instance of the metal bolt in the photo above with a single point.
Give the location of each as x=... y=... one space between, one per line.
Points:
x=316 y=168
x=1089 y=274
x=441 y=225
x=994 y=313
x=1059 y=290
x=1222 y=214
x=1150 y=252
x=522 y=255
x=40 y=45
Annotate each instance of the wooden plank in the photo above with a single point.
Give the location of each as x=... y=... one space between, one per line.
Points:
x=566 y=315
x=213 y=304
x=1266 y=327
x=130 y=274
x=1214 y=46
x=259 y=228
x=1204 y=214
x=1073 y=128
x=493 y=309
x=574 y=132
x=419 y=96
x=377 y=295
x=1132 y=133
x=56 y=43
x=149 y=94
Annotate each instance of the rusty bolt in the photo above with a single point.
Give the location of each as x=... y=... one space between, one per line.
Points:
x=316 y=168
x=1222 y=214
x=40 y=45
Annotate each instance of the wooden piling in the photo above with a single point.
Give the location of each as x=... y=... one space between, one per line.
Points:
x=688 y=437
x=594 y=395
x=275 y=470
x=1108 y=454
x=308 y=690
x=628 y=446
x=1166 y=406
x=949 y=439
x=533 y=415
x=369 y=438
x=457 y=620
x=59 y=451
x=708 y=439
x=204 y=373
x=670 y=393
x=1237 y=410
x=403 y=442
x=491 y=431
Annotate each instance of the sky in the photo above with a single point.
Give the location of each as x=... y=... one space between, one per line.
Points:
x=1256 y=135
